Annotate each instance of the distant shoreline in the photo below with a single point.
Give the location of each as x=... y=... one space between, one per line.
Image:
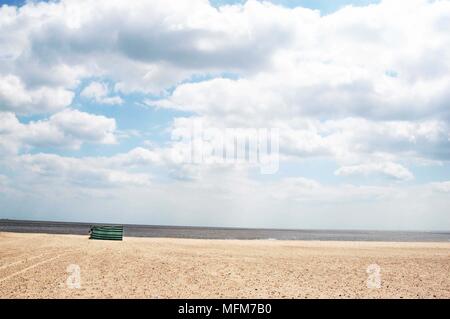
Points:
x=193 y=232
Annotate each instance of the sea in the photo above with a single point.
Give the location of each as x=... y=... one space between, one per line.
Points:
x=130 y=230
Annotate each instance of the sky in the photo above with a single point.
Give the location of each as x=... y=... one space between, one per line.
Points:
x=99 y=101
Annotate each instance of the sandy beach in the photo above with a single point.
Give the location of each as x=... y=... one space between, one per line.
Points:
x=39 y=265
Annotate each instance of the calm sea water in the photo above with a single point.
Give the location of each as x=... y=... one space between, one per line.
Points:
x=225 y=233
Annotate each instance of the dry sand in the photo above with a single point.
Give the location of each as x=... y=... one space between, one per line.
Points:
x=35 y=266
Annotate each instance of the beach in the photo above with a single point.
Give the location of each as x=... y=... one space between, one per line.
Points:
x=72 y=266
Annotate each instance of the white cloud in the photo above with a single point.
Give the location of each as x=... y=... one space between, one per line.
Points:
x=443 y=187
x=100 y=93
x=392 y=170
x=292 y=62
x=83 y=126
x=66 y=129
x=137 y=157
x=15 y=97
x=154 y=46
x=43 y=168
x=338 y=66
x=349 y=141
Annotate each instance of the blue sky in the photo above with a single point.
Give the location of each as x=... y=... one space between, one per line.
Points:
x=89 y=124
